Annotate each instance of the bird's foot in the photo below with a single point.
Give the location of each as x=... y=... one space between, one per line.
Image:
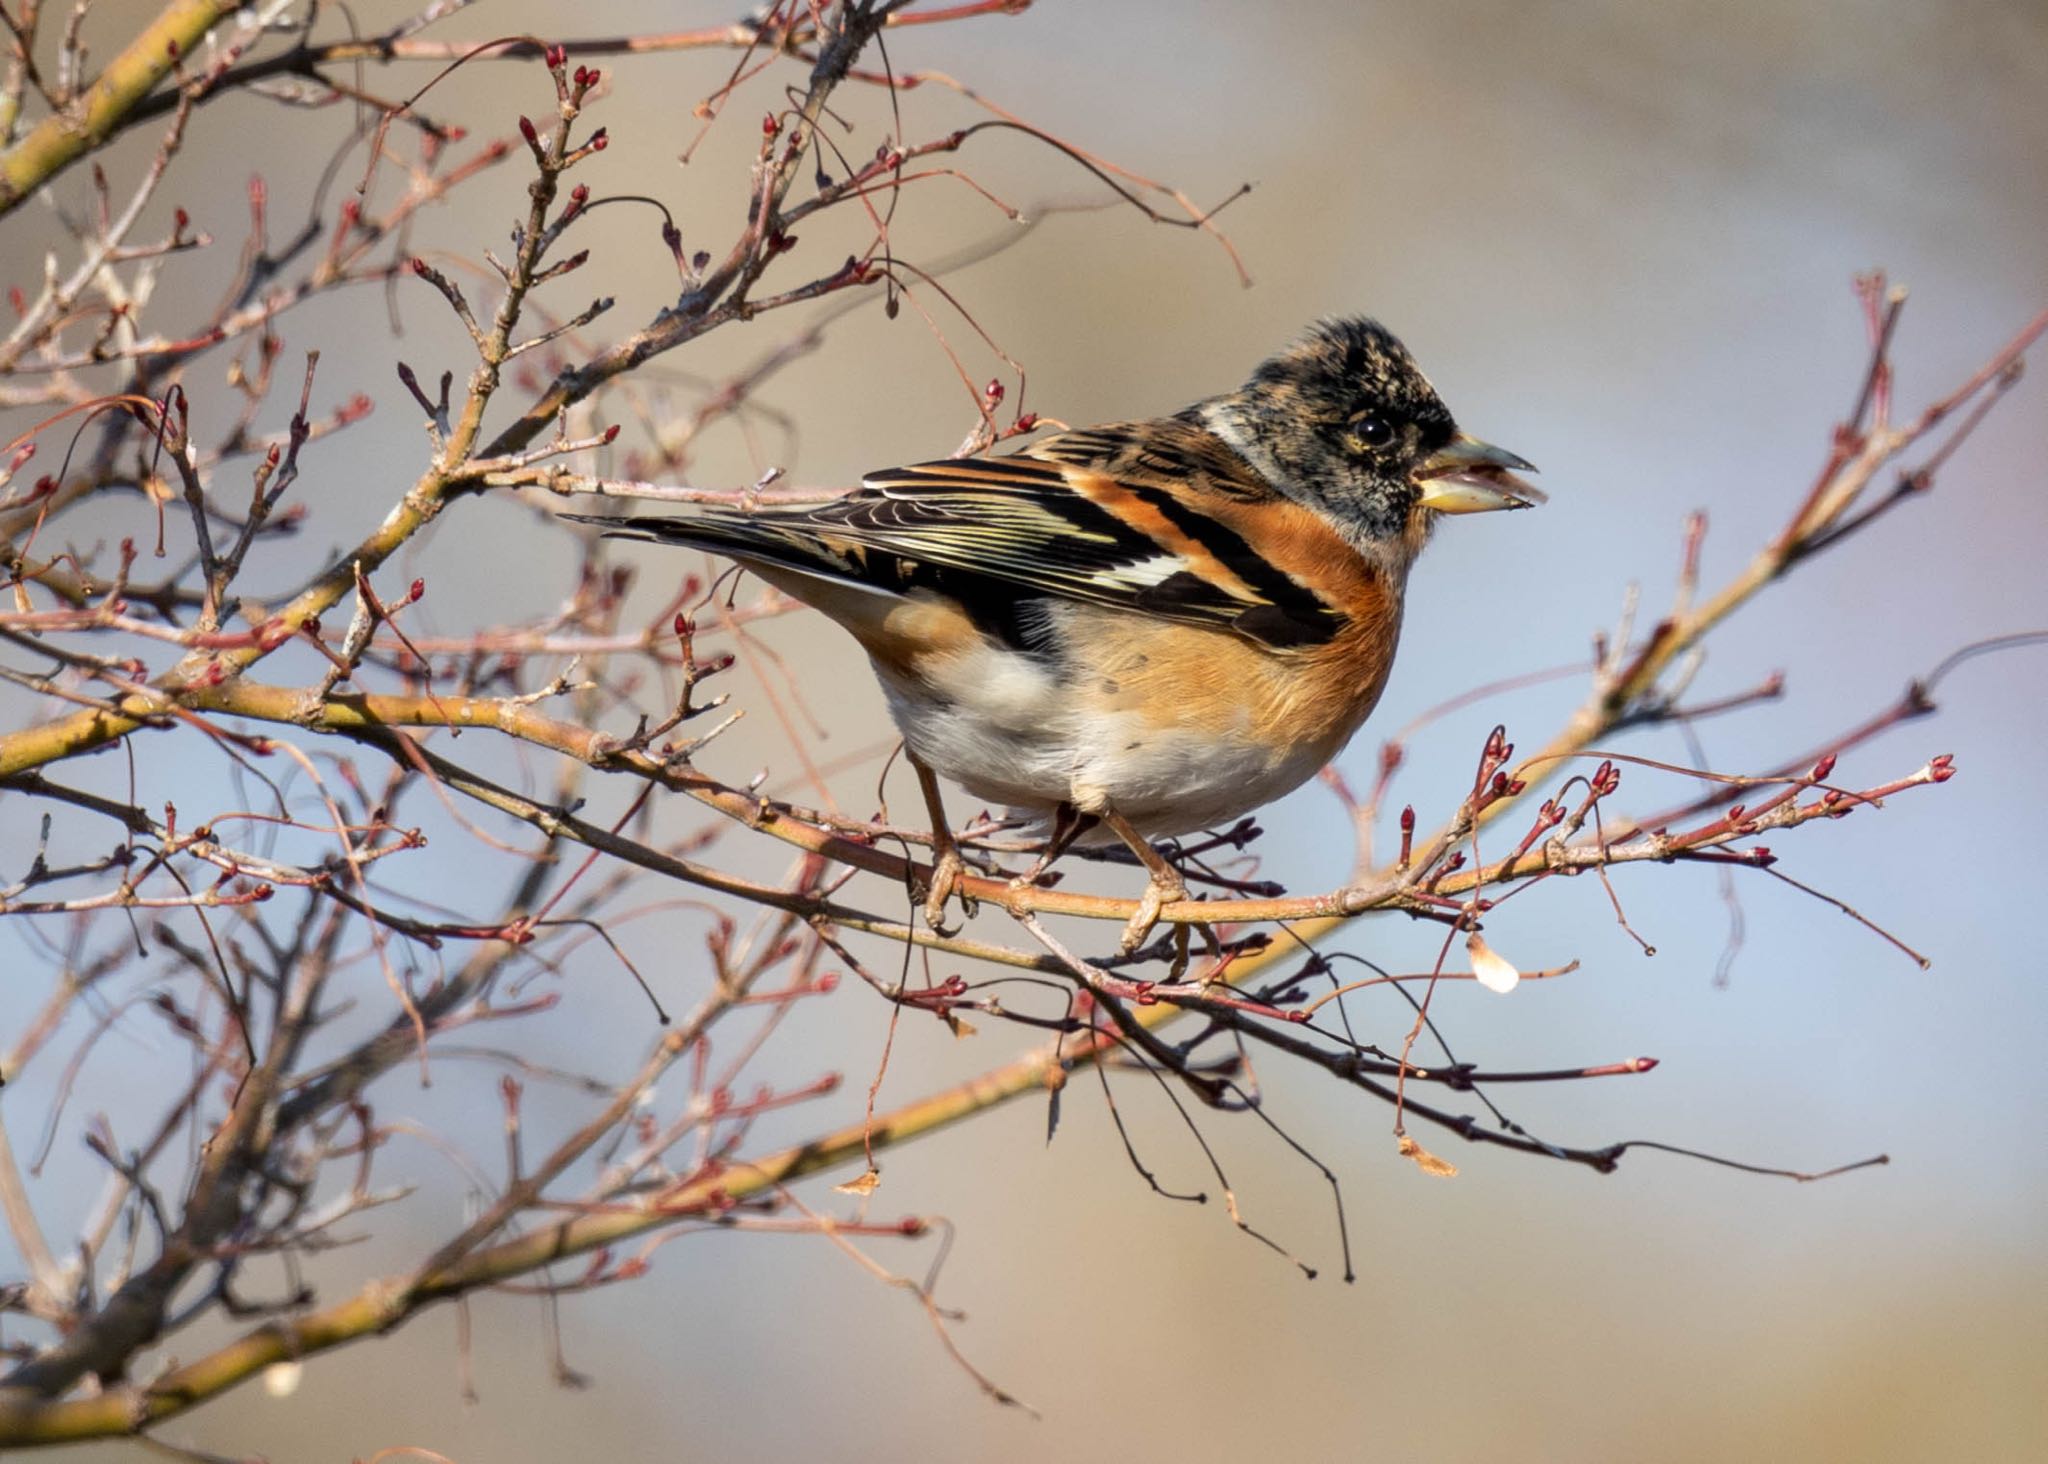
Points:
x=1020 y=888
x=1067 y=823
x=948 y=868
x=1163 y=890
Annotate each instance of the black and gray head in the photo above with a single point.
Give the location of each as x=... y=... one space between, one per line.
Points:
x=1344 y=421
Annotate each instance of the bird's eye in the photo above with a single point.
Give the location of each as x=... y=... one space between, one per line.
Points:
x=1371 y=433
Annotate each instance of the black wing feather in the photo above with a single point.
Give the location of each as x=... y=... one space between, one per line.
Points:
x=999 y=533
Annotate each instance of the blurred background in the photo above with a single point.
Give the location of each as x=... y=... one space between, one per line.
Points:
x=1620 y=238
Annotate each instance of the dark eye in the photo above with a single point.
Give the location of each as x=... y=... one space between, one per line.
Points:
x=1372 y=432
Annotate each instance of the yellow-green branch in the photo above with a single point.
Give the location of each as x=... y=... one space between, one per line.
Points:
x=86 y=123
x=385 y=1304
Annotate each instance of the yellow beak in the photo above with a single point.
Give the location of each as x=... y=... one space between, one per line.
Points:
x=1470 y=476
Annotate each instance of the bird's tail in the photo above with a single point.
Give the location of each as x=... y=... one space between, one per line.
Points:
x=783 y=538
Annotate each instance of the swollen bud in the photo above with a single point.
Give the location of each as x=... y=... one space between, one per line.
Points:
x=1489 y=967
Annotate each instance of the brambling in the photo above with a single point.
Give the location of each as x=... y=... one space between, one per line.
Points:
x=1152 y=626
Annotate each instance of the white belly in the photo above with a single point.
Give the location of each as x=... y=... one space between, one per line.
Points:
x=999 y=725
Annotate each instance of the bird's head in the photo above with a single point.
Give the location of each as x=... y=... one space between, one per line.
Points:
x=1345 y=422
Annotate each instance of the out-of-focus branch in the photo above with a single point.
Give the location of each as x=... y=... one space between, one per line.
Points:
x=386 y=1304
x=60 y=140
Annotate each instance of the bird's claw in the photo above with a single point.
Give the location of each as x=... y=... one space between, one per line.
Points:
x=947 y=870
x=1158 y=895
x=1020 y=888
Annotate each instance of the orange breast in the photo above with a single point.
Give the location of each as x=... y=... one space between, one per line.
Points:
x=1308 y=700
x=1302 y=704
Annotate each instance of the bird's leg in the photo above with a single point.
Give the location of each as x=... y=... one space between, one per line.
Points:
x=1068 y=824
x=1166 y=886
x=947 y=866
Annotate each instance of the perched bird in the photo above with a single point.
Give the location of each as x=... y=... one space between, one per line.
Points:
x=1155 y=626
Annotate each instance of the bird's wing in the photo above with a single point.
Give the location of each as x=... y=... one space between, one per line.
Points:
x=1121 y=516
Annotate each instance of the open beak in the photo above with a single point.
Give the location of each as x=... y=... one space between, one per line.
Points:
x=1470 y=476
